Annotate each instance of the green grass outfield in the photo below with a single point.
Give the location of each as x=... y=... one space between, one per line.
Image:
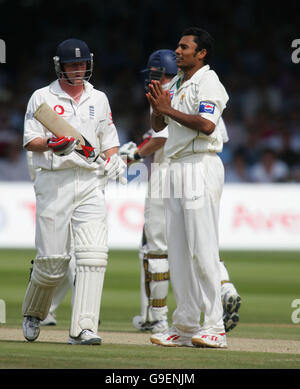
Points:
x=267 y=281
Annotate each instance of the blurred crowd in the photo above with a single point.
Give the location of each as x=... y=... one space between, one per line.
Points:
x=263 y=113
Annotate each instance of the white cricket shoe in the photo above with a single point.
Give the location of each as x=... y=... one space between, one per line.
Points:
x=31 y=328
x=160 y=326
x=50 y=320
x=171 y=338
x=86 y=337
x=205 y=339
x=231 y=302
x=155 y=327
x=139 y=323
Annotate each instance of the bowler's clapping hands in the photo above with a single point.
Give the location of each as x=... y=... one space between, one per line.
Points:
x=158 y=98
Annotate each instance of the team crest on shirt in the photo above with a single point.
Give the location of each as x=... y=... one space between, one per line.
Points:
x=92 y=111
x=206 y=107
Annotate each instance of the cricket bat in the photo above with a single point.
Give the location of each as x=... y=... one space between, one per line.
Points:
x=60 y=127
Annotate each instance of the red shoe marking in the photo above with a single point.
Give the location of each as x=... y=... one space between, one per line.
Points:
x=173 y=337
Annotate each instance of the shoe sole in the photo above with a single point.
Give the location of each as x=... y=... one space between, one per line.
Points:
x=158 y=342
x=202 y=344
x=230 y=309
x=232 y=304
x=31 y=340
x=91 y=342
x=230 y=321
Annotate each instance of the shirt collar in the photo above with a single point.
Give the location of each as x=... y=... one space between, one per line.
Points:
x=56 y=89
x=199 y=73
x=195 y=77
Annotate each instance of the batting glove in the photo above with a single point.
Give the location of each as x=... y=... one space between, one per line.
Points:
x=114 y=167
x=63 y=145
x=130 y=150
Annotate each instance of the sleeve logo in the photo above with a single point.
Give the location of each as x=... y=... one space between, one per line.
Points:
x=206 y=107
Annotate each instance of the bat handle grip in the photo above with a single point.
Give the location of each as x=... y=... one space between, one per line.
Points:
x=99 y=160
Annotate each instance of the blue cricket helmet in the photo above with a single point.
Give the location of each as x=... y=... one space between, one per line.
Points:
x=160 y=63
x=164 y=59
x=73 y=50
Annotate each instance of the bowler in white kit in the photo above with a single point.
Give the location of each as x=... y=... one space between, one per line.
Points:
x=192 y=109
x=153 y=251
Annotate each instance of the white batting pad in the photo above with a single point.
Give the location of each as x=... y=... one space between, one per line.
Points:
x=46 y=275
x=143 y=297
x=91 y=260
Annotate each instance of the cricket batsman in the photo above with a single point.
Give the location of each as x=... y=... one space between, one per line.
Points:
x=69 y=189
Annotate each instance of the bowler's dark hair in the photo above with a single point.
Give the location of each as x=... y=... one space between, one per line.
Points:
x=203 y=40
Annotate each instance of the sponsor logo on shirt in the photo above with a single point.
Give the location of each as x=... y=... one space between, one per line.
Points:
x=206 y=107
x=171 y=94
x=59 y=109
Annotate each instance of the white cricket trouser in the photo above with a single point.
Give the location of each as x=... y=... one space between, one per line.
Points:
x=65 y=199
x=155 y=227
x=154 y=213
x=192 y=198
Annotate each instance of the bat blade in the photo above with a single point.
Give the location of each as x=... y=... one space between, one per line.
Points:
x=55 y=123
x=60 y=127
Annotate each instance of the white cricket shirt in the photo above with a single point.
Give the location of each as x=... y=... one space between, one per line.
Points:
x=203 y=94
x=159 y=155
x=91 y=116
